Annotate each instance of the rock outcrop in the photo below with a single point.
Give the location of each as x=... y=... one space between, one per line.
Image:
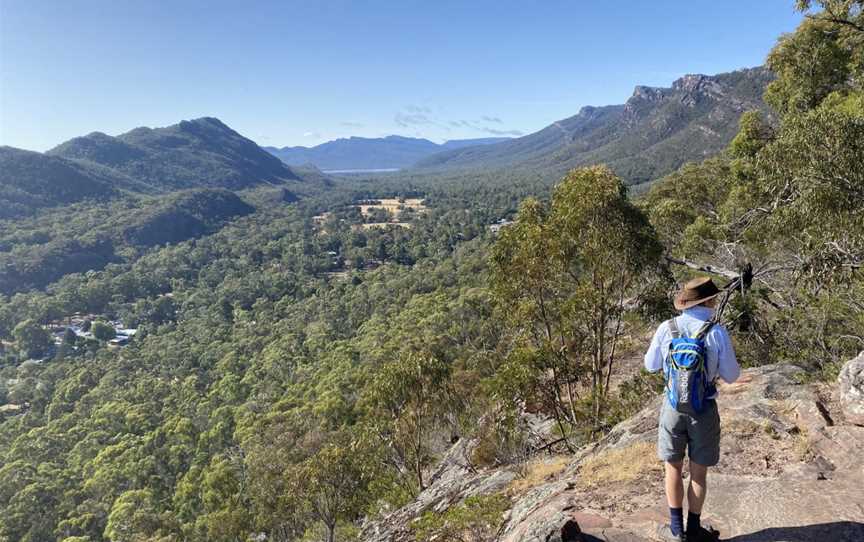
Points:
x=852 y=390
x=789 y=471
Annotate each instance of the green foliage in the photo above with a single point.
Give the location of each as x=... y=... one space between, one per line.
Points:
x=788 y=200
x=824 y=55
x=332 y=485
x=79 y=239
x=684 y=207
x=134 y=518
x=753 y=134
x=501 y=440
x=31 y=338
x=103 y=331
x=477 y=519
x=248 y=362
x=809 y=65
x=561 y=275
x=812 y=185
x=407 y=400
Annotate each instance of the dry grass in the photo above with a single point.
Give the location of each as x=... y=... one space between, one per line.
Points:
x=804 y=449
x=619 y=465
x=540 y=471
x=743 y=428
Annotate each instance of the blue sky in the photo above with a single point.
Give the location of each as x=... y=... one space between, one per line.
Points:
x=302 y=72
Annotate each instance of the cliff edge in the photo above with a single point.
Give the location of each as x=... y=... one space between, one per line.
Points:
x=791 y=469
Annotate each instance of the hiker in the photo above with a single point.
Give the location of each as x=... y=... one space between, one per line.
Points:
x=694 y=352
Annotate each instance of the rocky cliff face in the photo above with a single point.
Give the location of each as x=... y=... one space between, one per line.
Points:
x=852 y=390
x=791 y=470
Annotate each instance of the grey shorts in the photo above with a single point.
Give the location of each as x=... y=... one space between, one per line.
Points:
x=698 y=435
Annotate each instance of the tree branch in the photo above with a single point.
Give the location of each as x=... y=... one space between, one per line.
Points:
x=705 y=268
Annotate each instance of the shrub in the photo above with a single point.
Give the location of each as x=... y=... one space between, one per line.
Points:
x=477 y=519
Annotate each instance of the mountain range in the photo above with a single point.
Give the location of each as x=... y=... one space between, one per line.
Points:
x=653 y=133
x=194 y=154
x=372 y=153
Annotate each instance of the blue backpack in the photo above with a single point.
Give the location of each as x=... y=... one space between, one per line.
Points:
x=687 y=384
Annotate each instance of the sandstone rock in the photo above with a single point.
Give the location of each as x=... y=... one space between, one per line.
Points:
x=539 y=517
x=852 y=390
x=843 y=447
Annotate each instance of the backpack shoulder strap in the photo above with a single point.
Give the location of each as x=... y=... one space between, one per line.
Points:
x=673 y=328
x=703 y=330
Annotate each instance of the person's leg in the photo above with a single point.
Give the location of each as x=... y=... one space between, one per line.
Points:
x=704 y=452
x=671 y=447
x=675 y=496
x=698 y=487
x=696 y=491
x=674 y=484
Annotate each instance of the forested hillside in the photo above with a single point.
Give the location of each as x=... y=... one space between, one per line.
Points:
x=231 y=366
x=200 y=153
x=30 y=180
x=87 y=237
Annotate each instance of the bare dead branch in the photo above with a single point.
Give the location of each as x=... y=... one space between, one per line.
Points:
x=707 y=268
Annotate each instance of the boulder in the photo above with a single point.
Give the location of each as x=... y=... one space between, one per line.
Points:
x=852 y=390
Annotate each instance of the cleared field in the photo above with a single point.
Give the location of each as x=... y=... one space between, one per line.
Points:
x=392 y=206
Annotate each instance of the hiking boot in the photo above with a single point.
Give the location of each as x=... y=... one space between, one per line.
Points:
x=705 y=533
x=664 y=533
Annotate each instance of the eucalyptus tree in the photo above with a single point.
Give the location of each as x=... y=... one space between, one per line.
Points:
x=565 y=275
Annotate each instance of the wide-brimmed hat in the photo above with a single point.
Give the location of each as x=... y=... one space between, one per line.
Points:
x=698 y=290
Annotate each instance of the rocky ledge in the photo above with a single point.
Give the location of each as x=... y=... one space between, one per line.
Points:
x=792 y=469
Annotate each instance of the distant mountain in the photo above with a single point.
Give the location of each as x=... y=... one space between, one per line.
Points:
x=200 y=153
x=655 y=132
x=371 y=153
x=31 y=180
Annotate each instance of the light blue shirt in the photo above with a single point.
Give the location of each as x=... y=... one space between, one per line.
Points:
x=720 y=359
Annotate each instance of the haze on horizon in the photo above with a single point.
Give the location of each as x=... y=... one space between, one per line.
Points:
x=304 y=72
